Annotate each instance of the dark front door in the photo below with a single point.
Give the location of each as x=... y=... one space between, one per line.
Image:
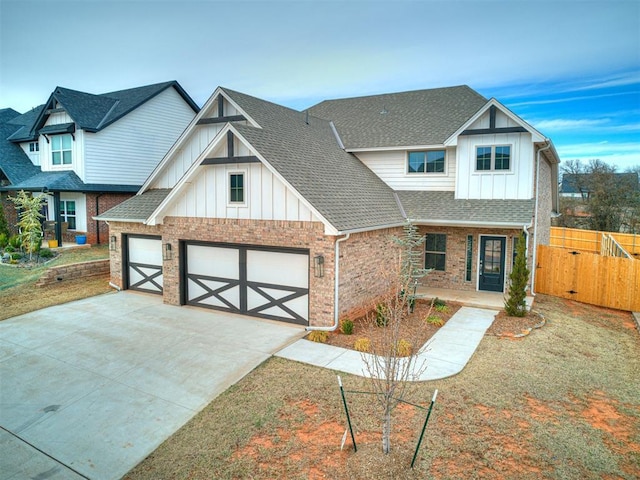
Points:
x=492 y=254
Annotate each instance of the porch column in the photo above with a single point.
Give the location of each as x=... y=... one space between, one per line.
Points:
x=56 y=213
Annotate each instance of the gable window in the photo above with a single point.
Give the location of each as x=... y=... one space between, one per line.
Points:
x=435 y=251
x=34 y=147
x=430 y=161
x=61 y=150
x=236 y=188
x=493 y=158
x=68 y=213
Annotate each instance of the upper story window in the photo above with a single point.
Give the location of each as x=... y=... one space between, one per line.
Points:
x=61 y=149
x=430 y=161
x=236 y=188
x=34 y=147
x=493 y=158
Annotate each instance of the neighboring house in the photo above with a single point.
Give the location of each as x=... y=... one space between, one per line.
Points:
x=89 y=152
x=266 y=211
x=579 y=185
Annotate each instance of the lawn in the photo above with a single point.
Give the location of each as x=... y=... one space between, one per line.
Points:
x=561 y=403
x=19 y=295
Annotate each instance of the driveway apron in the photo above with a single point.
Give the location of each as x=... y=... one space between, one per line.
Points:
x=88 y=389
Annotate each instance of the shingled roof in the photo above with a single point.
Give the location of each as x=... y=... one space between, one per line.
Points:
x=444 y=208
x=94 y=112
x=421 y=117
x=306 y=153
x=137 y=208
x=14 y=163
x=66 y=181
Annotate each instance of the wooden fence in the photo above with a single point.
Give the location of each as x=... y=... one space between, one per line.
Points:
x=591 y=240
x=588 y=277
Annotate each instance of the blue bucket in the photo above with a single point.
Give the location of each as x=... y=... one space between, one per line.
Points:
x=81 y=239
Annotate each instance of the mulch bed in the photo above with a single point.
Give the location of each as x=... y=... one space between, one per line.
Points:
x=514 y=327
x=415 y=328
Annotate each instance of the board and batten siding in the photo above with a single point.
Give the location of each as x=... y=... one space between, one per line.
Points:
x=266 y=197
x=127 y=151
x=199 y=138
x=517 y=183
x=391 y=167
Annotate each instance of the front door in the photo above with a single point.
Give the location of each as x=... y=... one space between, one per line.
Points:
x=492 y=255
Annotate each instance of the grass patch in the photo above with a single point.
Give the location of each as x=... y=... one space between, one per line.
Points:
x=18 y=294
x=562 y=403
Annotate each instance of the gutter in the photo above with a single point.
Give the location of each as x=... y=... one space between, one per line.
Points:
x=336 y=290
x=535 y=217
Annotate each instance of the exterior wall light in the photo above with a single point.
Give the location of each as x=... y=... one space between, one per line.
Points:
x=318 y=266
x=166 y=252
x=113 y=243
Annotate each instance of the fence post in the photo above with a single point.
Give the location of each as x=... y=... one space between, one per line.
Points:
x=426 y=420
x=346 y=409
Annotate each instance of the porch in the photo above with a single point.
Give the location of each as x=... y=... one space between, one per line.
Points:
x=480 y=299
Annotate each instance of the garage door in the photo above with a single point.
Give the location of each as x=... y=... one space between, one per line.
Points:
x=144 y=264
x=262 y=282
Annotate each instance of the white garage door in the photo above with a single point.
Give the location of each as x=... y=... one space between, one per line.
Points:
x=144 y=264
x=262 y=282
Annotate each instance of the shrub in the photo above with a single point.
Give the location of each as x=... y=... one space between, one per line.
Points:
x=362 y=345
x=4 y=240
x=46 y=253
x=9 y=249
x=318 y=336
x=15 y=241
x=439 y=303
x=403 y=348
x=442 y=308
x=346 y=326
x=436 y=321
x=16 y=256
x=382 y=315
x=516 y=303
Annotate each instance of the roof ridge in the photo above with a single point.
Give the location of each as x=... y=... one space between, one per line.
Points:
x=404 y=92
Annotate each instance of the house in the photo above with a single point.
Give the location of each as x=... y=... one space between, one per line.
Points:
x=89 y=152
x=581 y=185
x=266 y=211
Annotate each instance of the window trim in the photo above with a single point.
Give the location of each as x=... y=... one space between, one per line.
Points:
x=34 y=147
x=61 y=151
x=245 y=189
x=492 y=160
x=435 y=252
x=425 y=173
x=64 y=216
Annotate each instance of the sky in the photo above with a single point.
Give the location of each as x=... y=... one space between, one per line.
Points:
x=570 y=68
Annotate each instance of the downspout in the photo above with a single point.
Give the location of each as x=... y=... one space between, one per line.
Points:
x=336 y=289
x=535 y=219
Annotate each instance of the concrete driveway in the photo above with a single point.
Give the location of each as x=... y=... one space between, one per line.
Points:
x=88 y=389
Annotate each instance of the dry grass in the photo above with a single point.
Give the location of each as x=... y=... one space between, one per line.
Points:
x=18 y=294
x=561 y=403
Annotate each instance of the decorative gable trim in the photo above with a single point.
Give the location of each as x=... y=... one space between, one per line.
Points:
x=158 y=215
x=213 y=104
x=493 y=106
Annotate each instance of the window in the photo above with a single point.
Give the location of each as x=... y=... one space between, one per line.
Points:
x=236 y=188
x=493 y=158
x=34 y=147
x=469 y=264
x=68 y=213
x=435 y=251
x=431 y=161
x=61 y=150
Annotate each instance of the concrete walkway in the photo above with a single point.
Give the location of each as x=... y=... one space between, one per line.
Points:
x=445 y=355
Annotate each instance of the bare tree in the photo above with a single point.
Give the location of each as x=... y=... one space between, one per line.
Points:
x=394 y=361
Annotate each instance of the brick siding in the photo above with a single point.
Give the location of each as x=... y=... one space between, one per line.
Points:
x=305 y=235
